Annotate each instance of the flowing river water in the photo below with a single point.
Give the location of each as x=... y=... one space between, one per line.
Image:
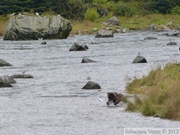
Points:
x=54 y=103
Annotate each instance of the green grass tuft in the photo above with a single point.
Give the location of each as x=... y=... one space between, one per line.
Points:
x=160 y=92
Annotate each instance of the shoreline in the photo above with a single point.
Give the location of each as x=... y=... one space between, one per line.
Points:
x=137 y=22
x=162 y=98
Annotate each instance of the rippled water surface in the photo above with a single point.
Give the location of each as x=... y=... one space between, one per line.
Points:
x=53 y=103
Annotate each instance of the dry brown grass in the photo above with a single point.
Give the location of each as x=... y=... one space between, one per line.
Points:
x=3 y=26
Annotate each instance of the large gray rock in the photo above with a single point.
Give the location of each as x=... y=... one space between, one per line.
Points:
x=113 y=20
x=23 y=27
x=6 y=81
x=139 y=59
x=4 y=63
x=91 y=85
x=104 y=34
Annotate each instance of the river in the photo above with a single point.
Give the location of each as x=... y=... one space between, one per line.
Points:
x=54 y=103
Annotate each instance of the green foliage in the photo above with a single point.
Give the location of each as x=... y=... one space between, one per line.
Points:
x=147 y=109
x=75 y=9
x=123 y=10
x=99 y=1
x=161 y=6
x=176 y=10
x=91 y=14
x=87 y=1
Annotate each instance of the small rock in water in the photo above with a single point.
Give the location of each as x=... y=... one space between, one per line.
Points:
x=43 y=43
x=172 y=43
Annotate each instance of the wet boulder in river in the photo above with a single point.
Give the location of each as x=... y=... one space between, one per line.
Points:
x=6 y=81
x=172 y=43
x=24 y=27
x=43 y=43
x=177 y=34
x=150 y=38
x=86 y=60
x=77 y=47
x=92 y=85
x=4 y=63
x=139 y=59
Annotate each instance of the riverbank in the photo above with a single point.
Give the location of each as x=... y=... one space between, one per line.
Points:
x=136 y=22
x=160 y=92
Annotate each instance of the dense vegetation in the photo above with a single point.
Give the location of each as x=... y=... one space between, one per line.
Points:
x=76 y=9
x=158 y=93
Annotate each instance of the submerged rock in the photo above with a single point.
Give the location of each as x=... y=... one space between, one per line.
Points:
x=22 y=76
x=92 y=85
x=22 y=27
x=177 y=34
x=172 y=43
x=86 y=60
x=150 y=38
x=2 y=84
x=4 y=63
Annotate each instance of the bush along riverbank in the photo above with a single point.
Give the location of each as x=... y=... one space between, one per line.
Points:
x=157 y=94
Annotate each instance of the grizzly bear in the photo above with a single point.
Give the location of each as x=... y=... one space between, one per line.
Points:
x=114 y=97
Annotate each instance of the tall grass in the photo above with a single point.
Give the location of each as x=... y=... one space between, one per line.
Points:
x=161 y=93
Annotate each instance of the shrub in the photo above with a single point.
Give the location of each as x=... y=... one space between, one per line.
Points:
x=176 y=10
x=91 y=14
x=123 y=10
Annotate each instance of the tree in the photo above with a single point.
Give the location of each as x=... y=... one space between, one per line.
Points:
x=162 y=6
